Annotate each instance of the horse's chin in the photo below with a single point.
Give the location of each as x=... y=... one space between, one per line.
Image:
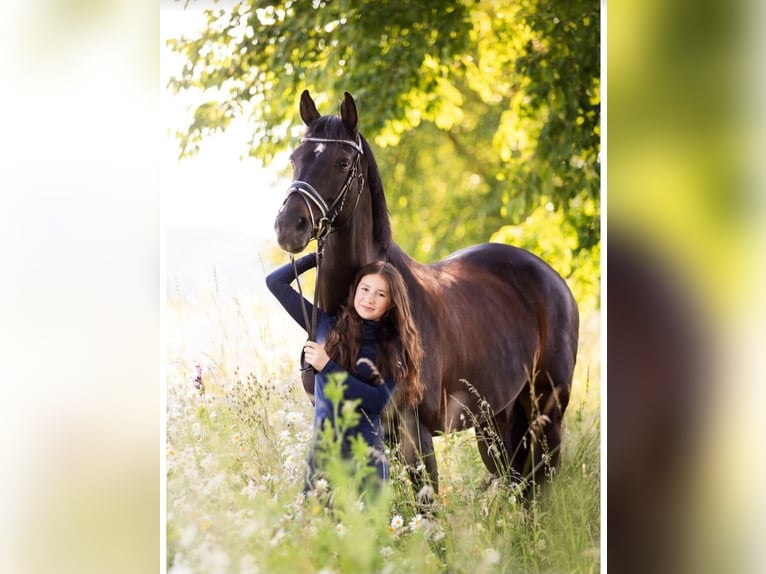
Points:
x=292 y=245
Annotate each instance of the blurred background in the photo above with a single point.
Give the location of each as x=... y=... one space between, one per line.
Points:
x=545 y=113
x=684 y=284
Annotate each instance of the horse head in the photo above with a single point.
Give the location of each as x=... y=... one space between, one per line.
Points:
x=327 y=176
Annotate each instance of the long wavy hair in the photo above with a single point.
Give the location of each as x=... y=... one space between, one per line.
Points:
x=399 y=348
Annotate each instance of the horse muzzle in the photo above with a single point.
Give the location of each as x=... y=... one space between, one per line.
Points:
x=293 y=232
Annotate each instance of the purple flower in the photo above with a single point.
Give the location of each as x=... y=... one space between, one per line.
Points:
x=198 y=379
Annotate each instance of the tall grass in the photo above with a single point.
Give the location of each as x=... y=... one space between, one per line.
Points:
x=236 y=448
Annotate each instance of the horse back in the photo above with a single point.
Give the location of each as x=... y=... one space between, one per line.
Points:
x=490 y=317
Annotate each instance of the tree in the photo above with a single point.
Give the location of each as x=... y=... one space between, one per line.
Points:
x=506 y=94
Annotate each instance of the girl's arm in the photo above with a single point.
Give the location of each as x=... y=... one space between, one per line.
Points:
x=374 y=397
x=279 y=283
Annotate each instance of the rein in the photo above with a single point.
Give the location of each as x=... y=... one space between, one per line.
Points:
x=311 y=324
x=324 y=226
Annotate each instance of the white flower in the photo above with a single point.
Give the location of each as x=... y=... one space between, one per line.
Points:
x=386 y=552
x=437 y=534
x=249 y=529
x=188 y=535
x=293 y=418
x=303 y=436
x=277 y=538
x=208 y=463
x=320 y=485
x=416 y=522
x=490 y=556
x=247 y=565
x=216 y=561
x=397 y=521
x=340 y=528
x=251 y=490
x=179 y=568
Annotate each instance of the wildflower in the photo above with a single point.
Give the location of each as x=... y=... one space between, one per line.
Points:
x=208 y=463
x=397 y=521
x=249 y=529
x=303 y=437
x=188 y=535
x=178 y=568
x=215 y=561
x=490 y=556
x=277 y=538
x=247 y=565
x=416 y=522
x=290 y=461
x=320 y=485
x=437 y=534
x=198 y=384
x=340 y=528
x=386 y=552
x=293 y=418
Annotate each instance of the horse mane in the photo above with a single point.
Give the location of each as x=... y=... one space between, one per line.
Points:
x=380 y=215
x=332 y=127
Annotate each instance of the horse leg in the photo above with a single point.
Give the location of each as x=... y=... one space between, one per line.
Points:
x=533 y=433
x=489 y=438
x=418 y=448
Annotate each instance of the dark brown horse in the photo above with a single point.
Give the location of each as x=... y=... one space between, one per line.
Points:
x=499 y=326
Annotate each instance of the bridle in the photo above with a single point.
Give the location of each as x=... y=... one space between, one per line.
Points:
x=325 y=225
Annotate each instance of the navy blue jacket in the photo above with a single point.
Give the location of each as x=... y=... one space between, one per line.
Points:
x=374 y=398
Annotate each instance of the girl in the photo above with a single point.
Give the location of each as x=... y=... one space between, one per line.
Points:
x=373 y=341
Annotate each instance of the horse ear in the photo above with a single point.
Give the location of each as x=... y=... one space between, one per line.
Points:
x=348 y=112
x=308 y=108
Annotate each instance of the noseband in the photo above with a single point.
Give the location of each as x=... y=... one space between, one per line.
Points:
x=322 y=227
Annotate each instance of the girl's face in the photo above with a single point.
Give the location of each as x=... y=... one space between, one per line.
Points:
x=372 y=298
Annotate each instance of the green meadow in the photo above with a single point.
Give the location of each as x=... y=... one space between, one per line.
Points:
x=237 y=439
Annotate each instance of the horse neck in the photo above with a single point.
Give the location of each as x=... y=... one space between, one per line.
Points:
x=346 y=250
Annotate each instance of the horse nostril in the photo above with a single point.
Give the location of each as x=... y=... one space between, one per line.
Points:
x=302 y=224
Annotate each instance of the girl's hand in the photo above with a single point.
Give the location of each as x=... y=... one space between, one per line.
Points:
x=315 y=355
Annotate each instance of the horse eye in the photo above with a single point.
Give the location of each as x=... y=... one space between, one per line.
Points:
x=344 y=163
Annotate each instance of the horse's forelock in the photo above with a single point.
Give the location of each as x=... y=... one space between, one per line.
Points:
x=330 y=127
